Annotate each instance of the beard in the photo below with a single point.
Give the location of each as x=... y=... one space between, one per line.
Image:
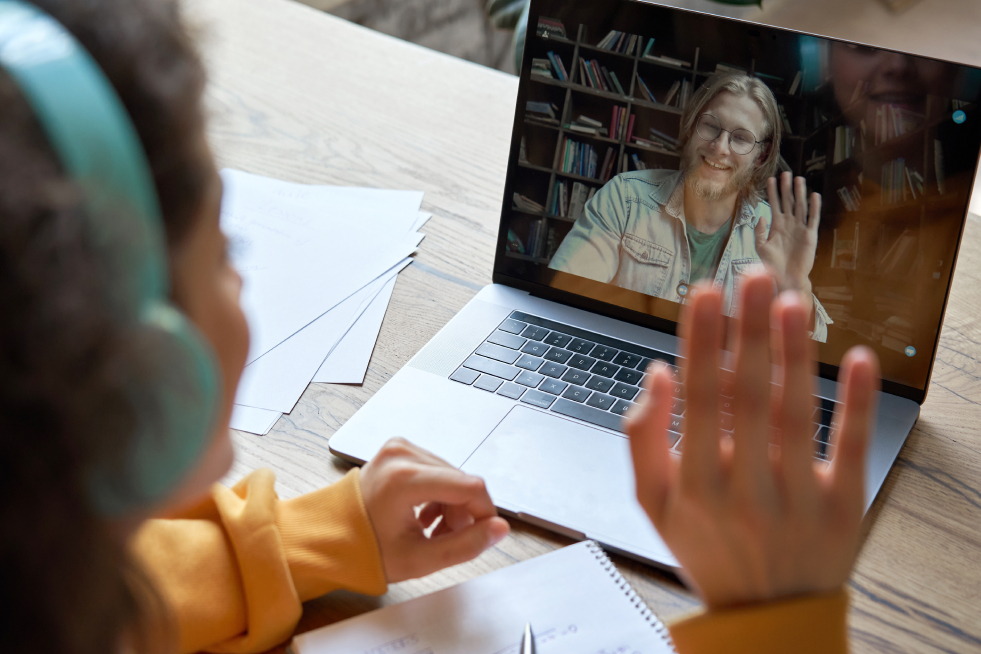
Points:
x=712 y=191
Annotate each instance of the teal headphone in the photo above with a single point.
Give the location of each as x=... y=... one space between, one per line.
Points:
x=98 y=147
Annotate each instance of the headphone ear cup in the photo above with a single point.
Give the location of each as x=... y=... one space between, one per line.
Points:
x=175 y=402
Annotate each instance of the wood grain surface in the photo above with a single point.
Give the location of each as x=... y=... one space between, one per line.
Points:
x=303 y=96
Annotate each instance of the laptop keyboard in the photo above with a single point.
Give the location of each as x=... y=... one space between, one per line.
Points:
x=590 y=377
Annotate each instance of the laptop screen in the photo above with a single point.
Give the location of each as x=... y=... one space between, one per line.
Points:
x=644 y=138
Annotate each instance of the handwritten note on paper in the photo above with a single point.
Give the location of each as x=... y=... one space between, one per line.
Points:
x=574 y=598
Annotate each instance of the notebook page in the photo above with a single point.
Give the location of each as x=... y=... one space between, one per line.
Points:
x=575 y=599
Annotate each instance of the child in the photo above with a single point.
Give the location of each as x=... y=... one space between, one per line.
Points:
x=84 y=567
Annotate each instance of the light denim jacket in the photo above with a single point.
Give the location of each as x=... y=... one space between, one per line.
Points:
x=632 y=234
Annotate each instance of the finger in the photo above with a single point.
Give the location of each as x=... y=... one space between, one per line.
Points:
x=700 y=450
x=759 y=233
x=751 y=399
x=814 y=215
x=776 y=212
x=796 y=404
x=786 y=194
x=399 y=447
x=461 y=546
x=647 y=426
x=800 y=199
x=421 y=483
x=860 y=379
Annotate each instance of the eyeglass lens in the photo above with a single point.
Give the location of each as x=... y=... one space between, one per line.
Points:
x=742 y=141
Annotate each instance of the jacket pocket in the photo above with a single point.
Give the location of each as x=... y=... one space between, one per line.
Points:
x=643 y=265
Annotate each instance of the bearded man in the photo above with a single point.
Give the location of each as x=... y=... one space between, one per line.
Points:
x=659 y=232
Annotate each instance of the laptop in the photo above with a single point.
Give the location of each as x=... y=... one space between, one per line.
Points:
x=527 y=385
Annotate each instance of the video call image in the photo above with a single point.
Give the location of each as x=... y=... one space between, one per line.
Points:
x=646 y=138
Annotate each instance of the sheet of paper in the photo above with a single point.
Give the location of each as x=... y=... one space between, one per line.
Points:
x=348 y=363
x=976 y=198
x=276 y=380
x=575 y=601
x=286 y=240
x=252 y=420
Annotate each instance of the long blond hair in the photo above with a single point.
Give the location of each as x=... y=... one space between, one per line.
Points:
x=742 y=86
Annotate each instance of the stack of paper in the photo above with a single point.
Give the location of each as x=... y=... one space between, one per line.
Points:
x=318 y=265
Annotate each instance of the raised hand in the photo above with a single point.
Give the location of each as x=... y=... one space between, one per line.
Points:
x=747 y=521
x=402 y=477
x=788 y=250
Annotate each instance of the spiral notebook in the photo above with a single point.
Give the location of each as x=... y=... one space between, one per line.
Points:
x=574 y=597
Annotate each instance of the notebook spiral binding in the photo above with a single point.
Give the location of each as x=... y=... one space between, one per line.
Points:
x=631 y=594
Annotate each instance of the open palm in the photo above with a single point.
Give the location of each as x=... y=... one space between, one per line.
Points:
x=788 y=249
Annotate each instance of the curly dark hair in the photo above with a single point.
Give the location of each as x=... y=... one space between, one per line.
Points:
x=66 y=581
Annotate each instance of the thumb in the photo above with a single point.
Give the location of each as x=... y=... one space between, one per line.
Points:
x=466 y=544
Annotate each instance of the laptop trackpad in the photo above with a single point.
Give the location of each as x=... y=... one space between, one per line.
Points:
x=568 y=474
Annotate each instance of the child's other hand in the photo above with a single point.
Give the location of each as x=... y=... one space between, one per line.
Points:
x=748 y=522
x=402 y=477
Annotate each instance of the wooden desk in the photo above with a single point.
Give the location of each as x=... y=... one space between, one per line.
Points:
x=302 y=96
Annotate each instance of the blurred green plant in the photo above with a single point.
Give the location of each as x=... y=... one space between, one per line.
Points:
x=513 y=15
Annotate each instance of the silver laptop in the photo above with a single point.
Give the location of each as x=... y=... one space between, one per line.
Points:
x=526 y=386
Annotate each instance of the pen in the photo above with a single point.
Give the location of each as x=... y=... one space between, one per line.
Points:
x=527 y=641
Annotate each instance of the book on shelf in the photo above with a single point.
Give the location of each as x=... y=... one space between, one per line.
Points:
x=847 y=143
x=548 y=27
x=618 y=124
x=844 y=252
x=899 y=258
x=579 y=159
x=542 y=68
x=577 y=200
x=729 y=68
x=620 y=42
x=587 y=125
x=638 y=162
x=685 y=94
x=559 y=205
x=592 y=75
x=524 y=203
x=672 y=92
x=895 y=185
x=938 y=164
x=816 y=162
x=670 y=61
x=551 y=244
x=892 y=121
x=645 y=90
x=850 y=197
x=616 y=83
x=523 y=151
x=542 y=111
x=915 y=181
x=650 y=45
x=537 y=233
x=784 y=119
x=630 y=127
x=558 y=66
x=607 y=79
x=606 y=171
x=652 y=145
x=796 y=82
x=668 y=141
x=514 y=244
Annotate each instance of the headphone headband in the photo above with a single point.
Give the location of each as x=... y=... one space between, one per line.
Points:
x=98 y=146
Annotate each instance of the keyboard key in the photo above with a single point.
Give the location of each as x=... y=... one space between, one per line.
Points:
x=536 y=348
x=824 y=451
x=534 y=333
x=576 y=393
x=488 y=383
x=512 y=326
x=529 y=362
x=601 y=384
x=505 y=339
x=624 y=391
x=677 y=406
x=465 y=376
x=530 y=379
x=553 y=369
x=627 y=360
x=588 y=414
x=824 y=434
x=558 y=354
x=537 y=398
x=727 y=406
x=553 y=386
x=825 y=418
x=577 y=377
x=557 y=339
x=673 y=438
x=581 y=361
x=491 y=367
x=604 y=352
x=600 y=401
x=677 y=424
x=627 y=376
x=621 y=407
x=580 y=346
x=497 y=352
x=511 y=390
x=605 y=369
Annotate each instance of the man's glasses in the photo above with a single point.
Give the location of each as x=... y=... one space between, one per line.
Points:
x=741 y=141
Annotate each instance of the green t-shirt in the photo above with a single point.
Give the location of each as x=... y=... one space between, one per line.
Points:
x=706 y=251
